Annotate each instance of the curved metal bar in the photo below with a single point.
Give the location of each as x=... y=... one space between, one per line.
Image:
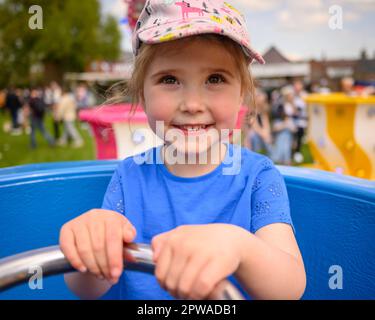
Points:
x=137 y=257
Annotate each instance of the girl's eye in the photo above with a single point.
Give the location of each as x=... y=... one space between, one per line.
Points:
x=216 y=78
x=168 y=80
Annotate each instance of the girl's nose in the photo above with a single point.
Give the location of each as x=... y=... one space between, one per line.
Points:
x=192 y=102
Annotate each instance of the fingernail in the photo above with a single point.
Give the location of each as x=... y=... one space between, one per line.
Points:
x=83 y=269
x=133 y=232
x=115 y=272
x=156 y=254
x=154 y=258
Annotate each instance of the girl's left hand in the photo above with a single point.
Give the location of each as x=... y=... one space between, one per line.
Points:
x=192 y=259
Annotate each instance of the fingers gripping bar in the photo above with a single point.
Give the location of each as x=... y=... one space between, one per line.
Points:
x=137 y=257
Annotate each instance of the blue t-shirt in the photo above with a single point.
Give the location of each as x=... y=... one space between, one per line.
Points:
x=245 y=190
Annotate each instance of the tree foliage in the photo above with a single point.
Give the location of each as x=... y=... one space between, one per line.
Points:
x=73 y=35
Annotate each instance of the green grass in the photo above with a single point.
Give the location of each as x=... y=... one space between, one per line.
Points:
x=305 y=150
x=15 y=150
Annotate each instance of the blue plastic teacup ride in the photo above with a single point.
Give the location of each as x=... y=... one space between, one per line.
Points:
x=333 y=216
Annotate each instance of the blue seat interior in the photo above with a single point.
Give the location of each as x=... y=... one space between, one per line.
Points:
x=334 y=218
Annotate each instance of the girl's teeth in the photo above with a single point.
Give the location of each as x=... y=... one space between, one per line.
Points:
x=190 y=128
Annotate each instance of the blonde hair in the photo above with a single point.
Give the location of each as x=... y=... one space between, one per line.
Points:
x=135 y=86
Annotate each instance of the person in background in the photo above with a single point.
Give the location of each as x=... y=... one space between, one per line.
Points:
x=13 y=104
x=276 y=99
x=47 y=96
x=347 y=86
x=258 y=135
x=22 y=115
x=25 y=111
x=284 y=128
x=369 y=91
x=66 y=111
x=37 y=111
x=52 y=98
x=84 y=99
x=301 y=118
x=323 y=87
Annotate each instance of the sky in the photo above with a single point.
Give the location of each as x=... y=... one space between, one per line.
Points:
x=300 y=29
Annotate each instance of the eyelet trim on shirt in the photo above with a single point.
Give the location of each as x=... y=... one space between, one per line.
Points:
x=114 y=185
x=120 y=206
x=267 y=164
x=262 y=207
x=285 y=218
x=276 y=189
x=256 y=185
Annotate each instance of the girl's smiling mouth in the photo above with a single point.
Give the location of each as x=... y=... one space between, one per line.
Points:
x=193 y=129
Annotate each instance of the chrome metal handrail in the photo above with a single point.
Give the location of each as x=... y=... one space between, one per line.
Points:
x=137 y=257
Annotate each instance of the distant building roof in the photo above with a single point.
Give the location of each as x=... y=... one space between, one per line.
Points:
x=281 y=70
x=366 y=66
x=340 y=63
x=273 y=55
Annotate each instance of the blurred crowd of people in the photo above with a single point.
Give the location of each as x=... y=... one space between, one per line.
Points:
x=28 y=107
x=280 y=123
x=281 y=120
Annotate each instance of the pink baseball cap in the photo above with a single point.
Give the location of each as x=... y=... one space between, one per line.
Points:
x=167 y=20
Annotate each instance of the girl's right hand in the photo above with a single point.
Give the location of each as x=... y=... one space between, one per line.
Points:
x=94 y=242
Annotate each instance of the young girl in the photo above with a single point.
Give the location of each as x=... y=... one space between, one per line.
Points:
x=227 y=214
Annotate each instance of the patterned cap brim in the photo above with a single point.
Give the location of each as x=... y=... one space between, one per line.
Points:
x=195 y=30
